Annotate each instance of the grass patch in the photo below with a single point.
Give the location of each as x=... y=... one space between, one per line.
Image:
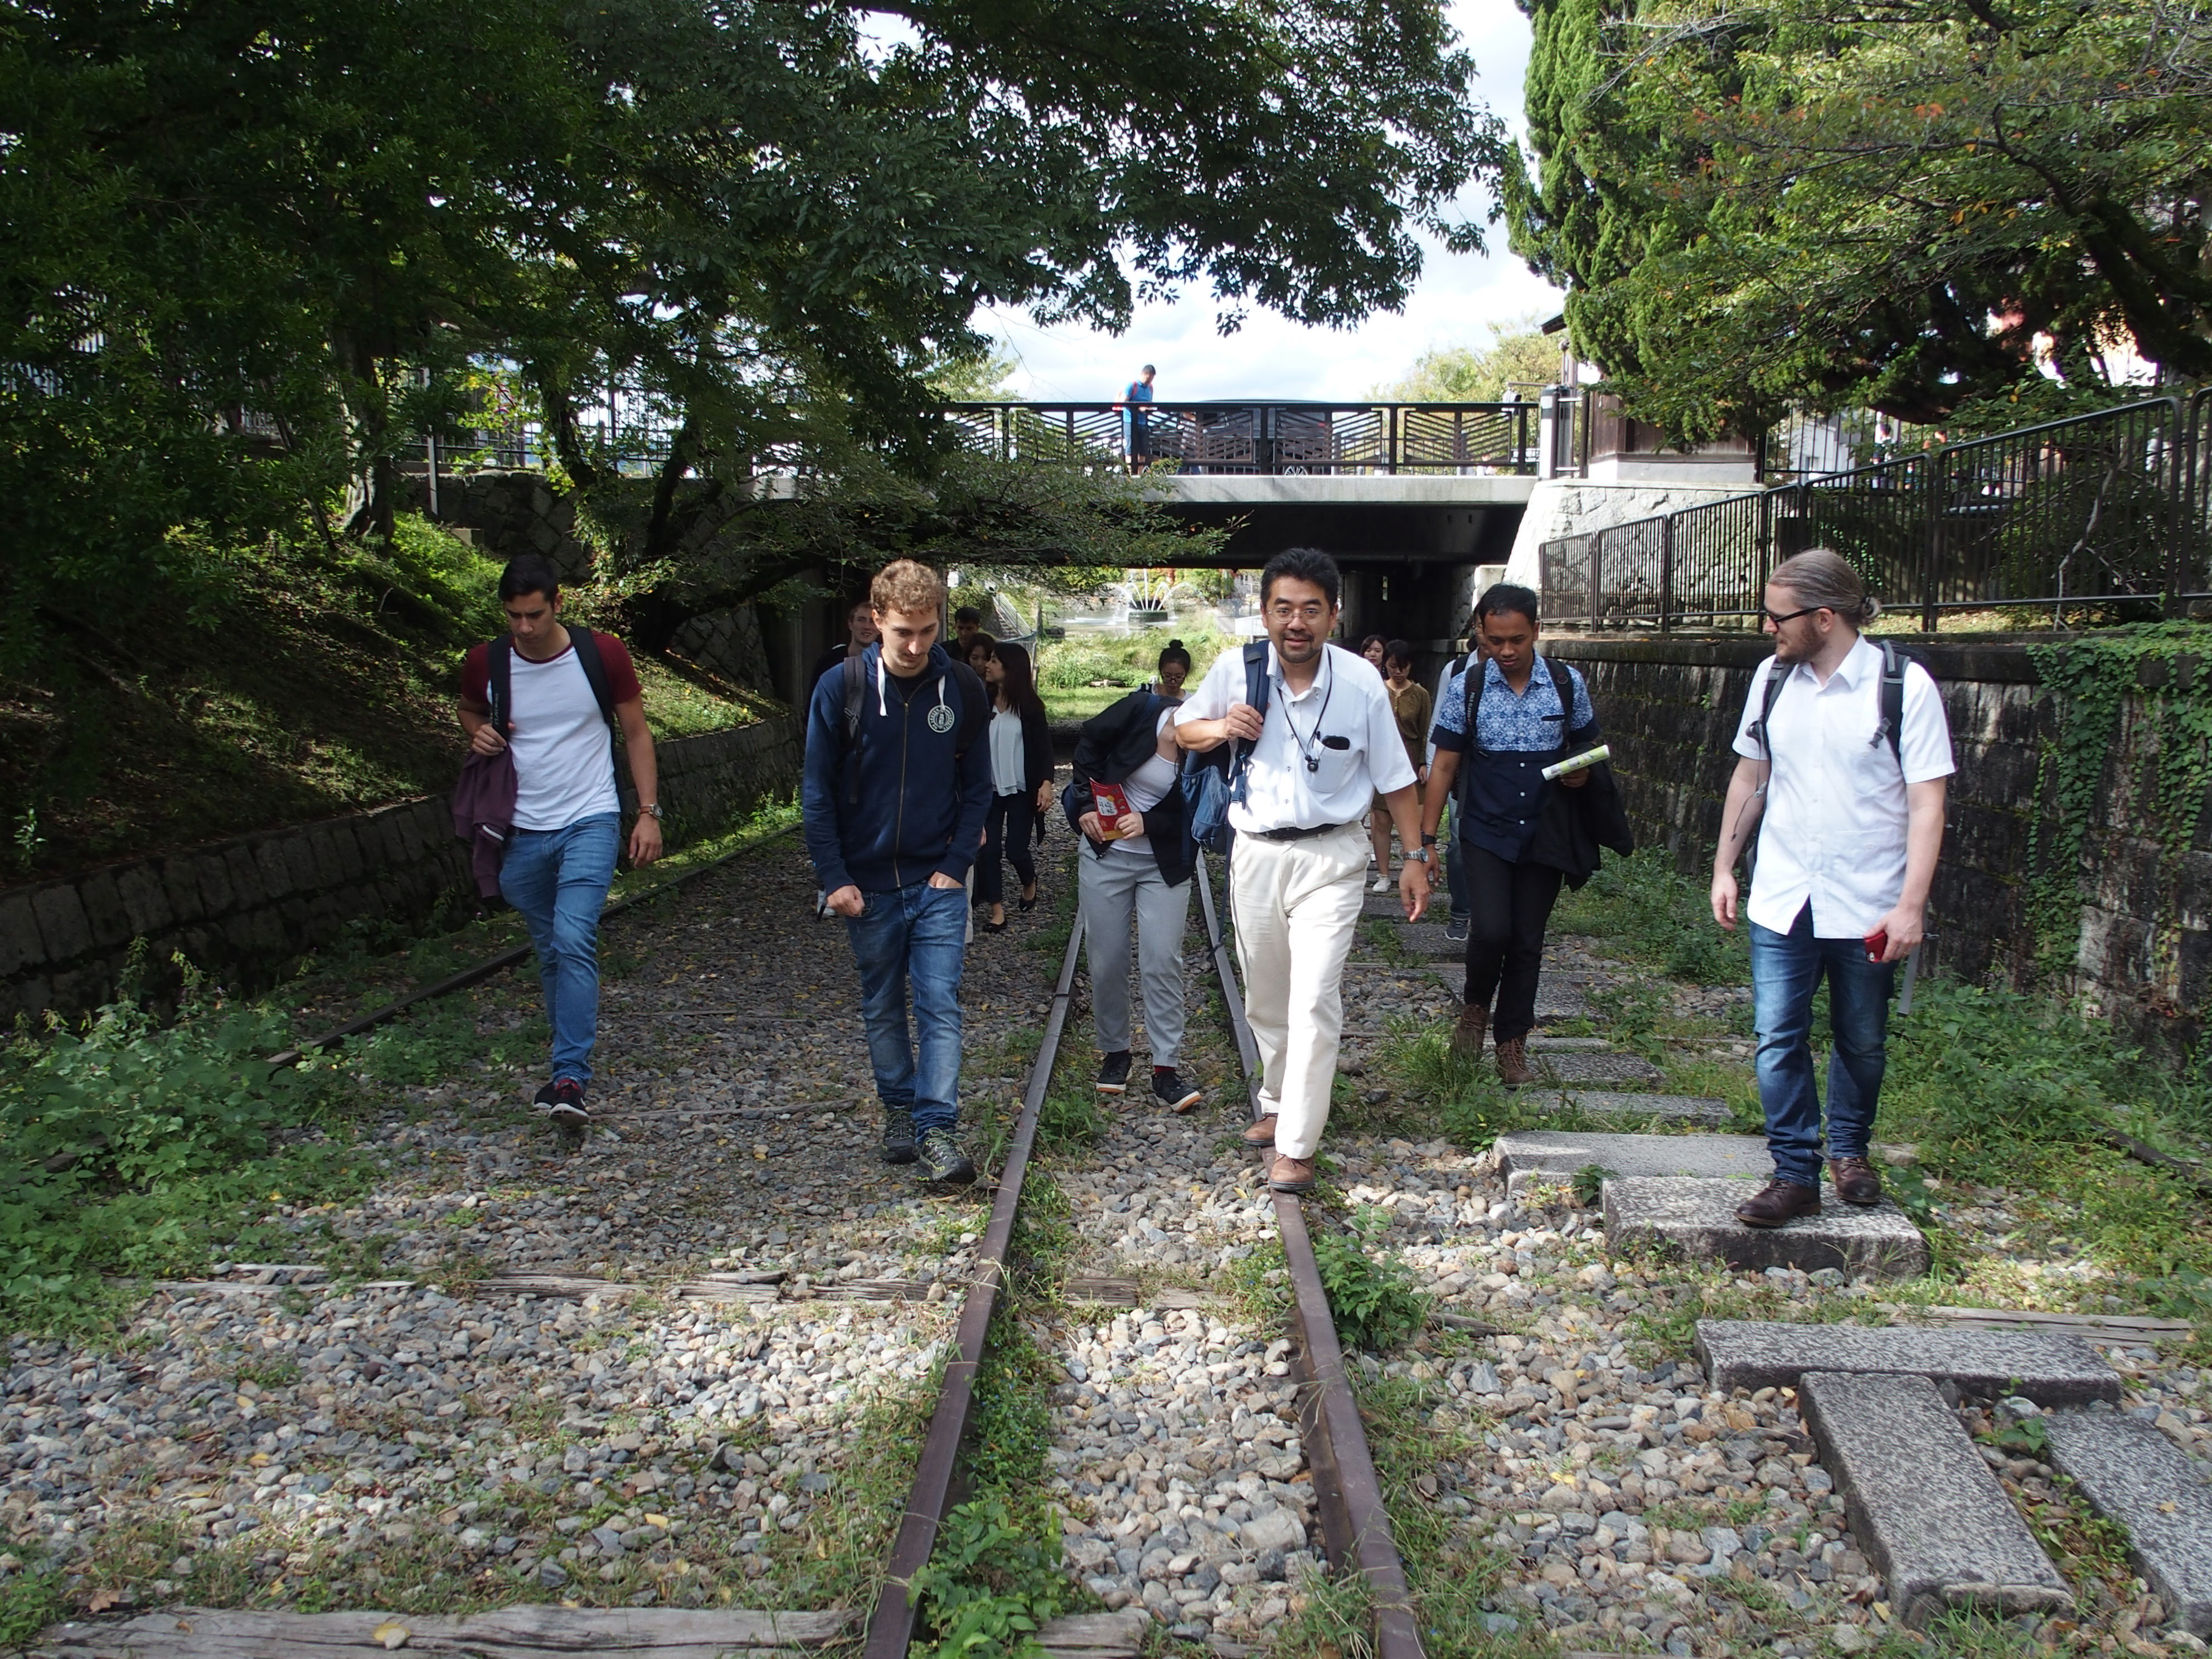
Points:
x=1654 y=915
x=1371 y=1296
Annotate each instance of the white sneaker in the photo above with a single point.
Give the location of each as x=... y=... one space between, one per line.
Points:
x=1383 y=883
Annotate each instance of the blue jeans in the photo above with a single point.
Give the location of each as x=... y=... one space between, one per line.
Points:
x=558 y=879
x=1785 y=971
x=913 y=937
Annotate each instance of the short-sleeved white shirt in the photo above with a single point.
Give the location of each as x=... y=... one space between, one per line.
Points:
x=1347 y=699
x=1834 y=826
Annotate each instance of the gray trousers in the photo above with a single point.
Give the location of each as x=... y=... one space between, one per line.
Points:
x=1120 y=888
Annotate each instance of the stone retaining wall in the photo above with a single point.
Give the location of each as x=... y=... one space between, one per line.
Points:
x=244 y=911
x=2144 y=950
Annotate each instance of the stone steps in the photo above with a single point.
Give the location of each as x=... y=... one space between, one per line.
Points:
x=2050 y=1368
x=1624 y=1102
x=1923 y=1503
x=1528 y=1157
x=2135 y=1475
x=1586 y=1067
x=1696 y=1217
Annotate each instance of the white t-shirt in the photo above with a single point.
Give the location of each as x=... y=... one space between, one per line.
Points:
x=1009 y=770
x=564 y=756
x=1348 y=701
x=1834 y=825
x=1148 y=785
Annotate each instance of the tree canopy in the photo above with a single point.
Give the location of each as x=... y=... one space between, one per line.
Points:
x=249 y=252
x=1913 y=206
x=1519 y=361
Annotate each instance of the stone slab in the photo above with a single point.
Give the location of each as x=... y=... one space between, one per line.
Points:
x=1923 y=1504
x=1697 y=1217
x=1600 y=1068
x=1670 y=1108
x=1528 y=1156
x=2052 y=1368
x=2135 y=1475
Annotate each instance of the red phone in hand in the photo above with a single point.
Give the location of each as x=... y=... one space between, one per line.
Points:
x=1877 y=944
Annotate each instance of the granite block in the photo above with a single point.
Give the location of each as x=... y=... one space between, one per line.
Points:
x=2052 y=1368
x=1672 y=1109
x=21 y=946
x=1923 y=1503
x=1528 y=1156
x=63 y=924
x=103 y=908
x=1600 y=1068
x=145 y=902
x=2135 y=1475
x=1697 y=1217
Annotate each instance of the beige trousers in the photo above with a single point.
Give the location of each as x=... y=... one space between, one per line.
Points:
x=1295 y=904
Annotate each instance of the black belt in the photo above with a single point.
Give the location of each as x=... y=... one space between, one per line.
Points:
x=1297 y=834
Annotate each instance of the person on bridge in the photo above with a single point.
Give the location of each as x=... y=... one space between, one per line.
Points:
x=1517 y=713
x=1137 y=434
x=1843 y=755
x=897 y=784
x=860 y=624
x=1135 y=879
x=1319 y=745
x=552 y=696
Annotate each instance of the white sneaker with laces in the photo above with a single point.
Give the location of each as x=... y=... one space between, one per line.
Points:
x=1382 y=883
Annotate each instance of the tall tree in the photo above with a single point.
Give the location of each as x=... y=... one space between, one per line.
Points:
x=1519 y=362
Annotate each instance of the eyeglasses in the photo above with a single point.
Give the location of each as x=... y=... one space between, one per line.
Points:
x=1284 y=610
x=1792 y=616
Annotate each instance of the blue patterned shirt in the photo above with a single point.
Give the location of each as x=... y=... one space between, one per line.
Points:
x=1511 y=724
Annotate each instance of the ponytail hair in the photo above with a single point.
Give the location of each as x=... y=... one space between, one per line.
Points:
x=1823 y=580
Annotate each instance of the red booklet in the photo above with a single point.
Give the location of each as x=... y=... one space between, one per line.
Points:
x=1112 y=805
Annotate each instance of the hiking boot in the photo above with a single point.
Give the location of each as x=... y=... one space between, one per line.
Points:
x=898 y=1135
x=1513 y=1062
x=1455 y=929
x=1261 y=1133
x=1171 y=1092
x=1857 y=1181
x=1473 y=1025
x=1776 y=1202
x=1291 y=1174
x=943 y=1160
x=1114 y=1073
x=564 y=1100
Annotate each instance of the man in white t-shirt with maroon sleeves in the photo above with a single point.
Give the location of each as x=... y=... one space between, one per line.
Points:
x=564 y=688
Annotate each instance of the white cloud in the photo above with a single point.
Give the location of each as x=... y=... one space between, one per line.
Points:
x=1457 y=297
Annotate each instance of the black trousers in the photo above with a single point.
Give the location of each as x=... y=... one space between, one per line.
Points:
x=1005 y=830
x=1508 y=906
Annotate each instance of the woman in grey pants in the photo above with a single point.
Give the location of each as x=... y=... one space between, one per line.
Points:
x=1139 y=880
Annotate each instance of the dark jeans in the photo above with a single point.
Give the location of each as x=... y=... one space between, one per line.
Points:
x=1454 y=865
x=1508 y=905
x=1786 y=969
x=911 y=940
x=1006 y=828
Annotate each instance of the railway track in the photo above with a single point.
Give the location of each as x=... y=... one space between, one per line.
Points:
x=1349 y=1500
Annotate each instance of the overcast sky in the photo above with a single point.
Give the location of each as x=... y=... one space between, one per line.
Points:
x=1457 y=296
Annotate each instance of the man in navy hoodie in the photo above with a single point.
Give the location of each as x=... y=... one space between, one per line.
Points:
x=895 y=801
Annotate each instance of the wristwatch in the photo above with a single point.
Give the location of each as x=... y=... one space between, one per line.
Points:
x=1421 y=854
x=652 y=807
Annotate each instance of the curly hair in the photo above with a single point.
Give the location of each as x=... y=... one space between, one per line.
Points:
x=906 y=585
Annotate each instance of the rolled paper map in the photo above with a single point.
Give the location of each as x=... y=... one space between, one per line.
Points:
x=1575 y=762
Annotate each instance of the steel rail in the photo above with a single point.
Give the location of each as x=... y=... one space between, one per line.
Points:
x=890 y=1624
x=483 y=970
x=1354 y=1518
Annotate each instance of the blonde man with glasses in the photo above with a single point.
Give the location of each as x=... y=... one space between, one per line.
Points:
x=1843 y=778
x=1322 y=744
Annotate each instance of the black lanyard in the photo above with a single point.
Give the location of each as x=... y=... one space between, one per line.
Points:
x=1305 y=746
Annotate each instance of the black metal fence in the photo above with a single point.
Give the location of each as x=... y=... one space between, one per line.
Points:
x=1278 y=438
x=2111 y=511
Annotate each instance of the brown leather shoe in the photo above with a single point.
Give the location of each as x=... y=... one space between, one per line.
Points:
x=1261 y=1133
x=1776 y=1202
x=1291 y=1174
x=1857 y=1181
x=1513 y=1062
x=1474 y=1026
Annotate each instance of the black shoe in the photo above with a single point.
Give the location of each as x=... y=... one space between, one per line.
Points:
x=1171 y=1092
x=1113 y=1072
x=898 y=1135
x=943 y=1160
x=543 y=1098
x=565 y=1101
x=1029 y=904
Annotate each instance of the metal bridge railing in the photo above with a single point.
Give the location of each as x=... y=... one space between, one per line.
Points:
x=1279 y=439
x=2113 y=509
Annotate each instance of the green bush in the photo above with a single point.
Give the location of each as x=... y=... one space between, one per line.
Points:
x=1371 y=1300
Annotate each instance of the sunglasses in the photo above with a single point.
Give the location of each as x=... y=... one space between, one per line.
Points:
x=1792 y=616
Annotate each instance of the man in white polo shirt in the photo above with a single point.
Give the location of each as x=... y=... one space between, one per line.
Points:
x=1846 y=760
x=1325 y=744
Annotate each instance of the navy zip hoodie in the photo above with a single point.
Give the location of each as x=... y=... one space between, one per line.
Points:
x=921 y=807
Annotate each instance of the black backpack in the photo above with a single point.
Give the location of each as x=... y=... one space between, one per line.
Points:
x=1893 y=663
x=974 y=700
x=500 y=661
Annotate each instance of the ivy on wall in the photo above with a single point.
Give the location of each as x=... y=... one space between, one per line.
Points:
x=2167 y=668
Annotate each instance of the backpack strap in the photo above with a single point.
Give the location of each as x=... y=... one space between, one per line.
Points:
x=1259 y=686
x=1563 y=687
x=595 y=670
x=499 y=662
x=1892 y=700
x=1776 y=676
